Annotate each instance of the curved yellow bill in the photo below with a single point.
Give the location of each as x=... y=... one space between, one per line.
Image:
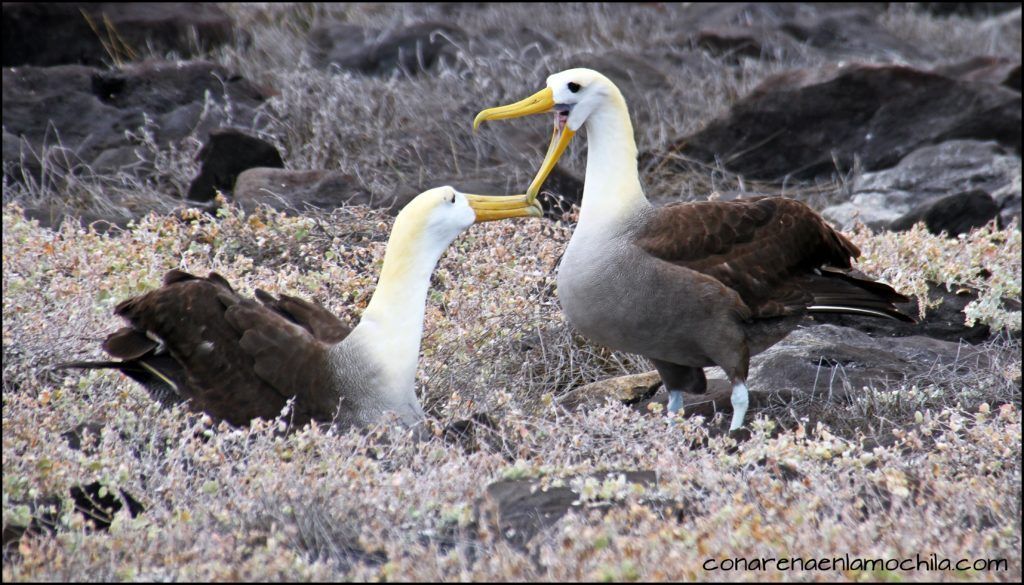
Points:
x=492 y=207
x=559 y=142
x=541 y=102
x=538 y=103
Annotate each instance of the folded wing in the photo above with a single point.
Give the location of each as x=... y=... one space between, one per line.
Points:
x=778 y=254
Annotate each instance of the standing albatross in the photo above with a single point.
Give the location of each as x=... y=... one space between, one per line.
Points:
x=198 y=341
x=687 y=285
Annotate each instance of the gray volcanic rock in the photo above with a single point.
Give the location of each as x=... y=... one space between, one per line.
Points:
x=19 y=157
x=832 y=354
x=414 y=48
x=121 y=159
x=802 y=123
x=60 y=33
x=521 y=508
x=953 y=214
x=828 y=361
x=291 y=190
x=839 y=360
x=782 y=30
x=850 y=33
x=88 y=111
x=225 y=155
x=927 y=175
x=968 y=8
x=337 y=42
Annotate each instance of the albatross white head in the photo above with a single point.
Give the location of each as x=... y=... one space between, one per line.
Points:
x=582 y=97
x=424 y=228
x=392 y=325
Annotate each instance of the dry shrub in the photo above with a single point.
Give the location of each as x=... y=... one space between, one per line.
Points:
x=251 y=503
x=256 y=504
x=986 y=260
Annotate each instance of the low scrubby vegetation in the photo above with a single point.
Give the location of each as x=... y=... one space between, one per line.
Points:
x=931 y=467
x=379 y=505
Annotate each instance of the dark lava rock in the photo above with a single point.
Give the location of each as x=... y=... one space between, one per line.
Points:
x=173 y=92
x=415 y=48
x=225 y=155
x=1012 y=79
x=849 y=33
x=780 y=30
x=19 y=158
x=522 y=508
x=930 y=173
x=833 y=355
x=127 y=159
x=735 y=42
x=800 y=124
x=560 y=192
x=99 y=505
x=35 y=517
x=85 y=436
x=480 y=432
x=58 y=33
x=337 y=42
x=954 y=214
x=87 y=111
x=95 y=503
x=831 y=360
x=291 y=190
x=968 y=8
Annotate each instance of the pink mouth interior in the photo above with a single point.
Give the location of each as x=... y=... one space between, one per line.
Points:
x=561 y=118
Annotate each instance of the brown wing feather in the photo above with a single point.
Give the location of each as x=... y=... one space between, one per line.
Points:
x=768 y=249
x=312 y=316
x=237 y=359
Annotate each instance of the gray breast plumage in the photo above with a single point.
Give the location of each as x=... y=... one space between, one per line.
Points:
x=369 y=388
x=618 y=295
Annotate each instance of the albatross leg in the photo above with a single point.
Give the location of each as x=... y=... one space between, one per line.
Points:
x=678 y=378
x=740 y=401
x=675 y=401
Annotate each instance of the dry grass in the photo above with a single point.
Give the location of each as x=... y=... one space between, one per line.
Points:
x=252 y=504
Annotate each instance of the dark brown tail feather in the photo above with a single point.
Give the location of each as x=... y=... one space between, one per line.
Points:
x=128 y=343
x=160 y=375
x=839 y=292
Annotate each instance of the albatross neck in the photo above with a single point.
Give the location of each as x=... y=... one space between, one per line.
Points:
x=394 y=317
x=612 y=190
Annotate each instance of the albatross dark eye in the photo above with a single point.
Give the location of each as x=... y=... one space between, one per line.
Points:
x=574 y=87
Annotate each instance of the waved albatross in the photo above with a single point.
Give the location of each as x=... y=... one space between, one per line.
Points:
x=197 y=340
x=688 y=285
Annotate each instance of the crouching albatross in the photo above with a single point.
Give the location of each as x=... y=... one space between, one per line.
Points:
x=688 y=285
x=198 y=341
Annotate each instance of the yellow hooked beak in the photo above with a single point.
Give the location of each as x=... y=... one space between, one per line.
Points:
x=492 y=207
x=539 y=103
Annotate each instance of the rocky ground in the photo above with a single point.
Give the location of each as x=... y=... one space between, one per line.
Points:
x=272 y=143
